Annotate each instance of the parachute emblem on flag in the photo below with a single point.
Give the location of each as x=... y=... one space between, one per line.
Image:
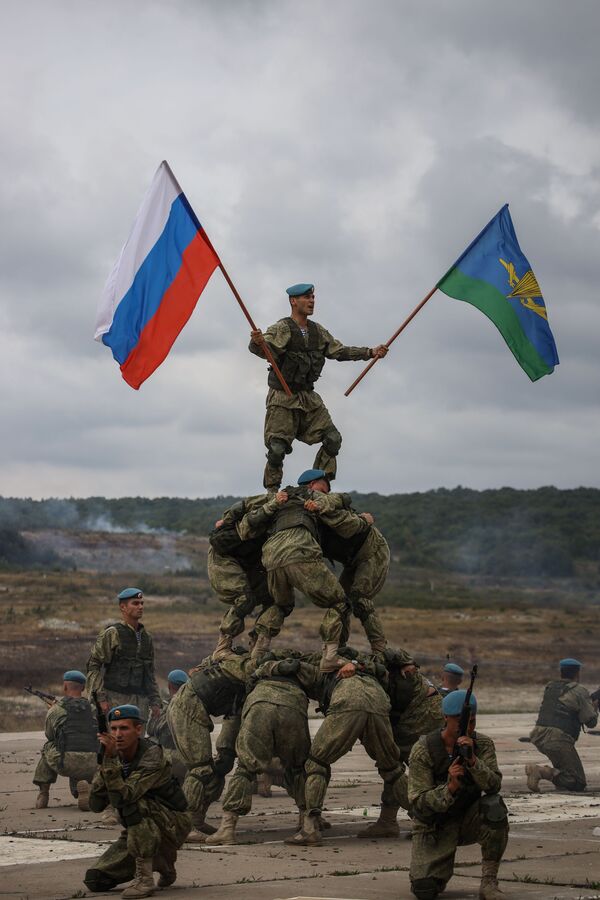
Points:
x=525 y=289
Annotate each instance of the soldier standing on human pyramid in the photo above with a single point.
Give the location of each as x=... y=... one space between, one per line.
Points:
x=300 y=348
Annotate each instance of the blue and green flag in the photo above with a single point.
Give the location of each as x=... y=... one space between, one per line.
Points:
x=494 y=275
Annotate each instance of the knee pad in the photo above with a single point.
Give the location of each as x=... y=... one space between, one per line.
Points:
x=425 y=888
x=97 y=880
x=332 y=441
x=224 y=761
x=493 y=811
x=276 y=452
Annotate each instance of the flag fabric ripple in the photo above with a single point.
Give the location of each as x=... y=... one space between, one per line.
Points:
x=156 y=281
x=494 y=275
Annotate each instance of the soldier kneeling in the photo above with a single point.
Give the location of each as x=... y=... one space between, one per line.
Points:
x=71 y=745
x=455 y=801
x=136 y=778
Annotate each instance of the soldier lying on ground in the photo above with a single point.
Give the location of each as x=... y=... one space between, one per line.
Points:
x=136 y=778
x=71 y=743
x=566 y=706
x=447 y=805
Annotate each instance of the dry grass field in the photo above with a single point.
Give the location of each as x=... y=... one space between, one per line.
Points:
x=515 y=630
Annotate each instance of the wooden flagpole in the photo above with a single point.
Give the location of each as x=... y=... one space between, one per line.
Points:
x=392 y=339
x=265 y=346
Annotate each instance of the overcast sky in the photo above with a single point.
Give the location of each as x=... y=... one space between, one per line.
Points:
x=360 y=146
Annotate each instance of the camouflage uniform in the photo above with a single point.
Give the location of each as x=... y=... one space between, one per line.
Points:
x=235 y=569
x=356 y=709
x=213 y=691
x=274 y=723
x=152 y=810
x=56 y=757
x=443 y=821
x=293 y=559
x=566 y=706
x=365 y=555
x=121 y=668
x=303 y=416
x=416 y=704
x=158 y=729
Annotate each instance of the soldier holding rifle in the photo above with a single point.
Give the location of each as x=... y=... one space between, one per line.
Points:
x=70 y=748
x=453 y=789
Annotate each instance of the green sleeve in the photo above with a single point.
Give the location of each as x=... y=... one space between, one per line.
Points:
x=56 y=714
x=334 y=349
x=102 y=653
x=485 y=773
x=277 y=336
x=424 y=795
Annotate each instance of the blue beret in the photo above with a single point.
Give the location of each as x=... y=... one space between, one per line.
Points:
x=74 y=675
x=454 y=669
x=296 y=290
x=453 y=703
x=129 y=594
x=126 y=711
x=569 y=662
x=312 y=475
x=177 y=676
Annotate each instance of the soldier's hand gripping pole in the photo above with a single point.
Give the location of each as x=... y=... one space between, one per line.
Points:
x=391 y=340
x=465 y=717
x=102 y=725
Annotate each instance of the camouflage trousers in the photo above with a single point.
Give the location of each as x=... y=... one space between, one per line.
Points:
x=427 y=717
x=268 y=730
x=76 y=765
x=240 y=590
x=283 y=425
x=361 y=582
x=560 y=749
x=159 y=835
x=191 y=727
x=140 y=700
x=434 y=847
x=336 y=737
x=319 y=584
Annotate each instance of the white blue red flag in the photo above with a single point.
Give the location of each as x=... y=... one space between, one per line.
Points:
x=156 y=281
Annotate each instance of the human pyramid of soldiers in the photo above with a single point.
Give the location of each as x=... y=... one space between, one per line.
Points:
x=422 y=737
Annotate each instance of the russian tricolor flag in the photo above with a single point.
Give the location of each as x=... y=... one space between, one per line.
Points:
x=156 y=281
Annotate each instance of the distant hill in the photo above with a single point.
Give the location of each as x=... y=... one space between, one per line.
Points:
x=543 y=532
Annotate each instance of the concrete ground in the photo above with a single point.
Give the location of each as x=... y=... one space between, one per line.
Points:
x=552 y=852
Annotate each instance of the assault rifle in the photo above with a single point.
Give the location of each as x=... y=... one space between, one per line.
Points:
x=102 y=725
x=465 y=717
x=596 y=695
x=48 y=699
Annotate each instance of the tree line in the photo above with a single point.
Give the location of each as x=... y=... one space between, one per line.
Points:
x=543 y=532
